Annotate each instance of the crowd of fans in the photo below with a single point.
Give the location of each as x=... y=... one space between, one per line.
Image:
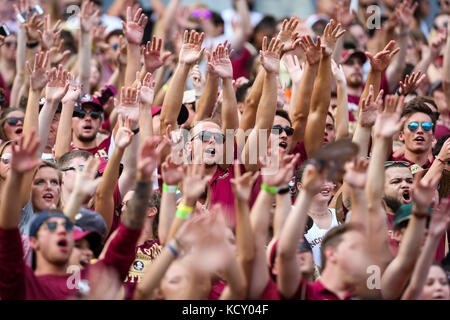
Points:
x=185 y=154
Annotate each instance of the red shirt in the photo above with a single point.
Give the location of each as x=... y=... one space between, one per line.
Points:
x=145 y=254
x=101 y=151
x=217 y=290
x=18 y=281
x=271 y=291
x=316 y=291
x=425 y=166
x=241 y=62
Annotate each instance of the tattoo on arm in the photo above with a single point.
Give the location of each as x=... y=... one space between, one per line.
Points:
x=137 y=206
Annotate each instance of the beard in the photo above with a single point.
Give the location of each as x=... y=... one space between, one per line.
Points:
x=87 y=138
x=393 y=203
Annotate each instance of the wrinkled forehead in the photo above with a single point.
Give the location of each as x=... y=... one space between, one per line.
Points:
x=398 y=172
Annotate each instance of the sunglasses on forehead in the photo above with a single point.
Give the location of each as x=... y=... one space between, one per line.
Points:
x=14 y=120
x=279 y=130
x=388 y=164
x=426 y=126
x=205 y=136
x=53 y=225
x=82 y=113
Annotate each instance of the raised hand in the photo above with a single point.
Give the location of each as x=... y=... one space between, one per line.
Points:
x=49 y=35
x=444 y=154
x=281 y=174
x=405 y=12
x=57 y=85
x=220 y=62
x=293 y=67
x=124 y=134
x=313 y=180
x=38 y=75
x=152 y=55
x=149 y=157
x=436 y=46
x=344 y=15
x=197 y=78
x=382 y=59
x=191 y=50
x=194 y=182
x=331 y=34
x=99 y=36
x=129 y=104
x=355 y=173
x=23 y=155
x=88 y=17
x=338 y=72
x=440 y=220
x=172 y=173
x=287 y=34
x=313 y=51
x=243 y=184
x=133 y=28
x=423 y=190
x=86 y=181
x=33 y=26
x=388 y=121
x=370 y=107
x=146 y=89
x=270 y=56
x=56 y=53
x=120 y=55
x=411 y=83
x=73 y=92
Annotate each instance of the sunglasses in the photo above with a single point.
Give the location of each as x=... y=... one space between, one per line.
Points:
x=388 y=164
x=201 y=13
x=279 y=130
x=53 y=225
x=6 y=158
x=14 y=120
x=426 y=126
x=82 y=113
x=205 y=136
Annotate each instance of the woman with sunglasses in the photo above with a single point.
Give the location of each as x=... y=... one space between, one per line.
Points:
x=11 y=124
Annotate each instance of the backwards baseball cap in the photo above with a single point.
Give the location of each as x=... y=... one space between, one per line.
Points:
x=93 y=237
x=347 y=54
x=88 y=100
x=404 y=214
x=88 y=220
x=41 y=218
x=182 y=116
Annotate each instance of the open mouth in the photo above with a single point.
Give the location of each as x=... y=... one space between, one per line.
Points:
x=325 y=192
x=87 y=128
x=62 y=244
x=419 y=139
x=438 y=296
x=18 y=130
x=406 y=196
x=84 y=262
x=48 y=196
x=283 y=145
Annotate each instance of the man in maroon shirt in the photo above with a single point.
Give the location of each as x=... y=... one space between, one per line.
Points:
x=52 y=237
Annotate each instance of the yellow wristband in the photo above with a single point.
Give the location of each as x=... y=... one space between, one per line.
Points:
x=185 y=208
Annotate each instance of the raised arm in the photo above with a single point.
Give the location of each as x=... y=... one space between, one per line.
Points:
x=446 y=70
x=299 y=109
x=133 y=29
x=190 y=53
x=88 y=18
x=289 y=276
x=64 y=133
x=104 y=201
x=245 y=29
x=397 y=274
x=342 y=101
x=440 y=221
x=20 y=64
x=270 y=60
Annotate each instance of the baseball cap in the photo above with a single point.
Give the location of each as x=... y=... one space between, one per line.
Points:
x=87 y=99
x=88 y=220
x=404 y=214
x=41 y=218
x=182 y=116
x=347 y=54
x=42 y=102
x=93 y=237
x=315 y=18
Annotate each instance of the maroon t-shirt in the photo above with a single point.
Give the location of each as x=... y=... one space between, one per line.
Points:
x=441 y=131
x=145 y=254
x=101 y=151
x=18 y=281
x=271 y=291
x=425 y=166
x=316 y=291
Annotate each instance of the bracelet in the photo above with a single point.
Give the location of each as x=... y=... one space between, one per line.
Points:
x=169 y=189
x=271 y=190
x=439 y=159
x=32 y=44
x=183 y=211
x=283 y=190
x=172 y=249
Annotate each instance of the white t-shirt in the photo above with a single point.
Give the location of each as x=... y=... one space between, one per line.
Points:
x=315 y=235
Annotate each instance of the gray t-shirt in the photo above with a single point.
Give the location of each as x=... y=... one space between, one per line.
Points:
x=26 y=219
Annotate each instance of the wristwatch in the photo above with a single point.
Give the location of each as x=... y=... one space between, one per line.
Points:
x=283 y=190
